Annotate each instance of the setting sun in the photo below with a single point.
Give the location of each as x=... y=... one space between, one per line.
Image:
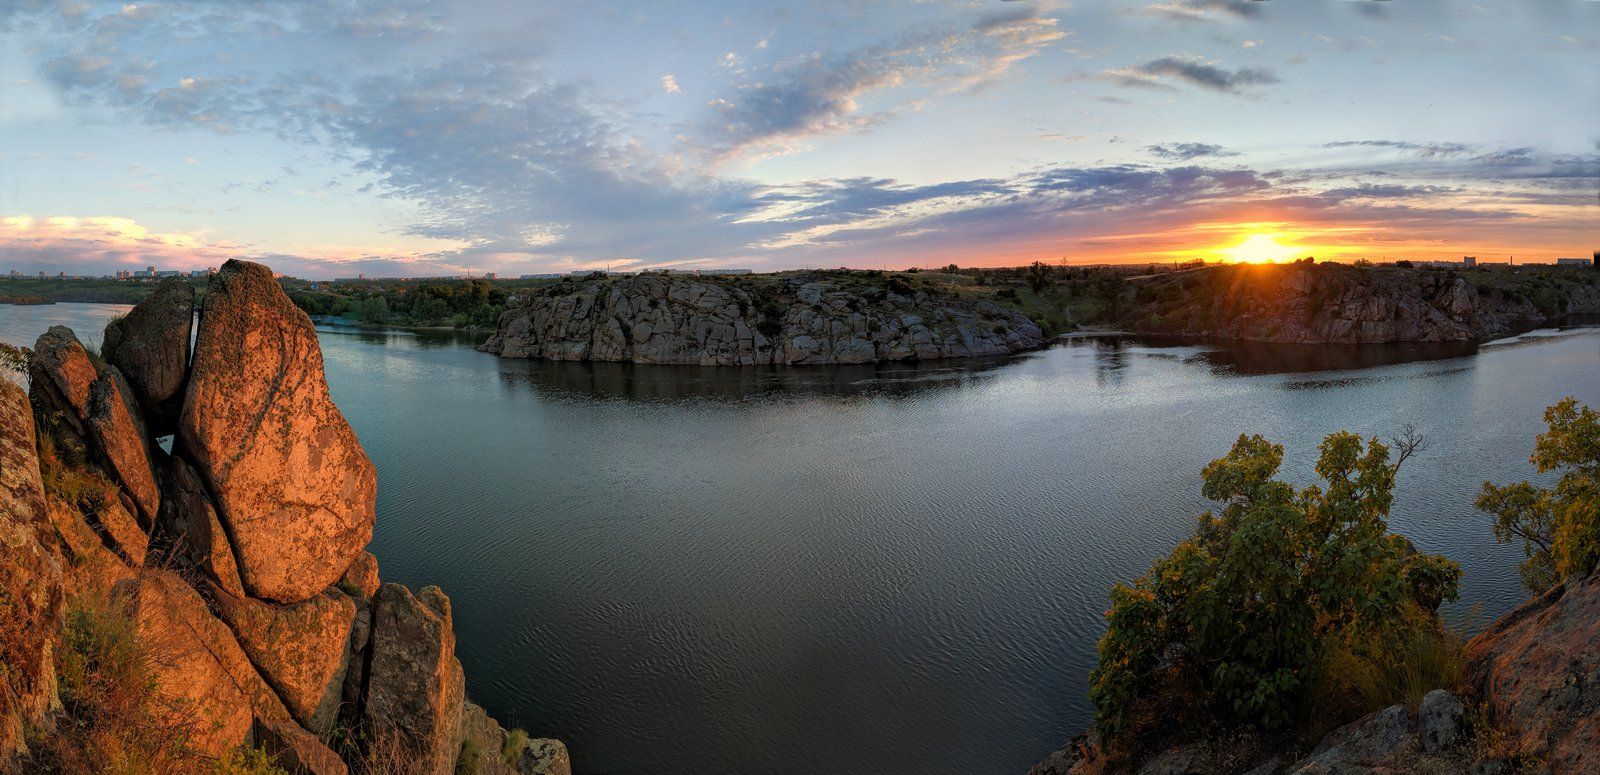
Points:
x=1258 y=248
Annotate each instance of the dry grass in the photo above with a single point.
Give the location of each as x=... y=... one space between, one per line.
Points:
x=1394 y=668
x=113 y=720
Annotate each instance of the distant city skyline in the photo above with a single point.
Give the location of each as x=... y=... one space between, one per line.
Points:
x=447 y=137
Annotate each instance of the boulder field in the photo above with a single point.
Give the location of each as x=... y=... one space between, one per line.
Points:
x=239 y=555
x=1530 y=703
x=729 y=321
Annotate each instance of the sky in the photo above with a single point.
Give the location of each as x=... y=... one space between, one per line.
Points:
x=328 y=138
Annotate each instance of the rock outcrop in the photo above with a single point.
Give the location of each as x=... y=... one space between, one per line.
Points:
x=205 y=680
x=299 y=648
x=1334 y=304
x=31 y=589
x=798 y=319
x=237 y=562
x=291 y=485
x=151 y=348
x=415 y=686
x=1537 y=672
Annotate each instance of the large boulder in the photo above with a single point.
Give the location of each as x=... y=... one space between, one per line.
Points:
x=206 y=682
x=192 y=520
x=291 y=483
x=60 y=375
x=1537 y=673
x=1442 y=718
x=151 y=348
x=31 y=588
x=300 y=649
x=415 y=687
x=120 y=442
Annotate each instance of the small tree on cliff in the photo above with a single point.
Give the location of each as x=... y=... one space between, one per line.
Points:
x=1232 y=623
x=1559 y=526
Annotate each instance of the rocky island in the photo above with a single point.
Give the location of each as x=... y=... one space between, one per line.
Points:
x=791 y=318
x=213 y=609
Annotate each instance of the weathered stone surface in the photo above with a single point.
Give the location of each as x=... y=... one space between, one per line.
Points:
x=1378 y=739
x=1442 y=718
x=120 y=442
x=490 y=754
x=151 y=348
x=93 y=567
x=415 y=686
x=204 y=678
x=291 y=483
x=60 y=375
x=299 y=648
x=803 y=319
x=31 y=585
x=362 y=576
x=192 y=520
x=120 y=530
x=1537 y=673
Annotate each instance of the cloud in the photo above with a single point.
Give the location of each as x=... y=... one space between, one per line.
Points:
x=669 y=84
x=820 y=94
x=1162 y=73
x=1428 y=150
x=1187 y=151
x=1206 y=10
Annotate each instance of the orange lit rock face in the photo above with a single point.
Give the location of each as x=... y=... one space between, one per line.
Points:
x=290 y=481
x=299 y=649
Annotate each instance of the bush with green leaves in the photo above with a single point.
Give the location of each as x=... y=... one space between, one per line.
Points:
x=1232 y=625
x=1559 y=526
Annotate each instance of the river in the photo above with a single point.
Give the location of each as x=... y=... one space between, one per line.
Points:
x=864 y=569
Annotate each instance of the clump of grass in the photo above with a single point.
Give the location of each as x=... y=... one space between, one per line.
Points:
x=1354 y=678
x=113 y=719
x=516 y=743
x=470 y=760
x=247 y=761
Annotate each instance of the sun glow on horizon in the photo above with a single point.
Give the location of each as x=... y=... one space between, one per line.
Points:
x=1260 y=248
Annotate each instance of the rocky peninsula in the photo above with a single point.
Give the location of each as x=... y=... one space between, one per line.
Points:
x=213 y=608
x=793 y=318
x=1330 y=303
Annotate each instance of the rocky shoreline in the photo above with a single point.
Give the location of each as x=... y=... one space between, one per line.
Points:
x=822 y=318
x=238 y=558
x=1326 y=303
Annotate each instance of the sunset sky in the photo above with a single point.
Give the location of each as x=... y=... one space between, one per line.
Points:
x=328 y=138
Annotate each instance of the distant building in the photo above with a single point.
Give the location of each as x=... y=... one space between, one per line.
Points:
x=170 y=273
x=1583 y=262
x=1469 y=261
x=540 y=276
x=149 y=271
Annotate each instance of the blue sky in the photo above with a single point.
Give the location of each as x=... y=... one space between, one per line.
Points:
x=425 y=138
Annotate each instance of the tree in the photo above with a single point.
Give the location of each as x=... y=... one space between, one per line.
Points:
x=1040 y=276
x=374 y=310
x=1559 y=526
x=1230 y=625
x=429 y=310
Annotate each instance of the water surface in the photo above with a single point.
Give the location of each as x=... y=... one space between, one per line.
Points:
x=863 y=569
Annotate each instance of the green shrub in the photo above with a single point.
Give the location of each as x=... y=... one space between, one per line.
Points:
x=1559 y=526
x=1229 y=626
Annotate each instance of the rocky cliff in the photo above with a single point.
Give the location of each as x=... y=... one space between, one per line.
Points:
x=238 y=559
x=1336 y=304
x=769 y=319
x=1530 y=703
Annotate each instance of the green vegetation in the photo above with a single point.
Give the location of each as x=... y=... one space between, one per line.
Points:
x=516 y=743
x=112 y=719
x=1284 y=604
x=1559 y=526
x=14 y=359
x=469 y=760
